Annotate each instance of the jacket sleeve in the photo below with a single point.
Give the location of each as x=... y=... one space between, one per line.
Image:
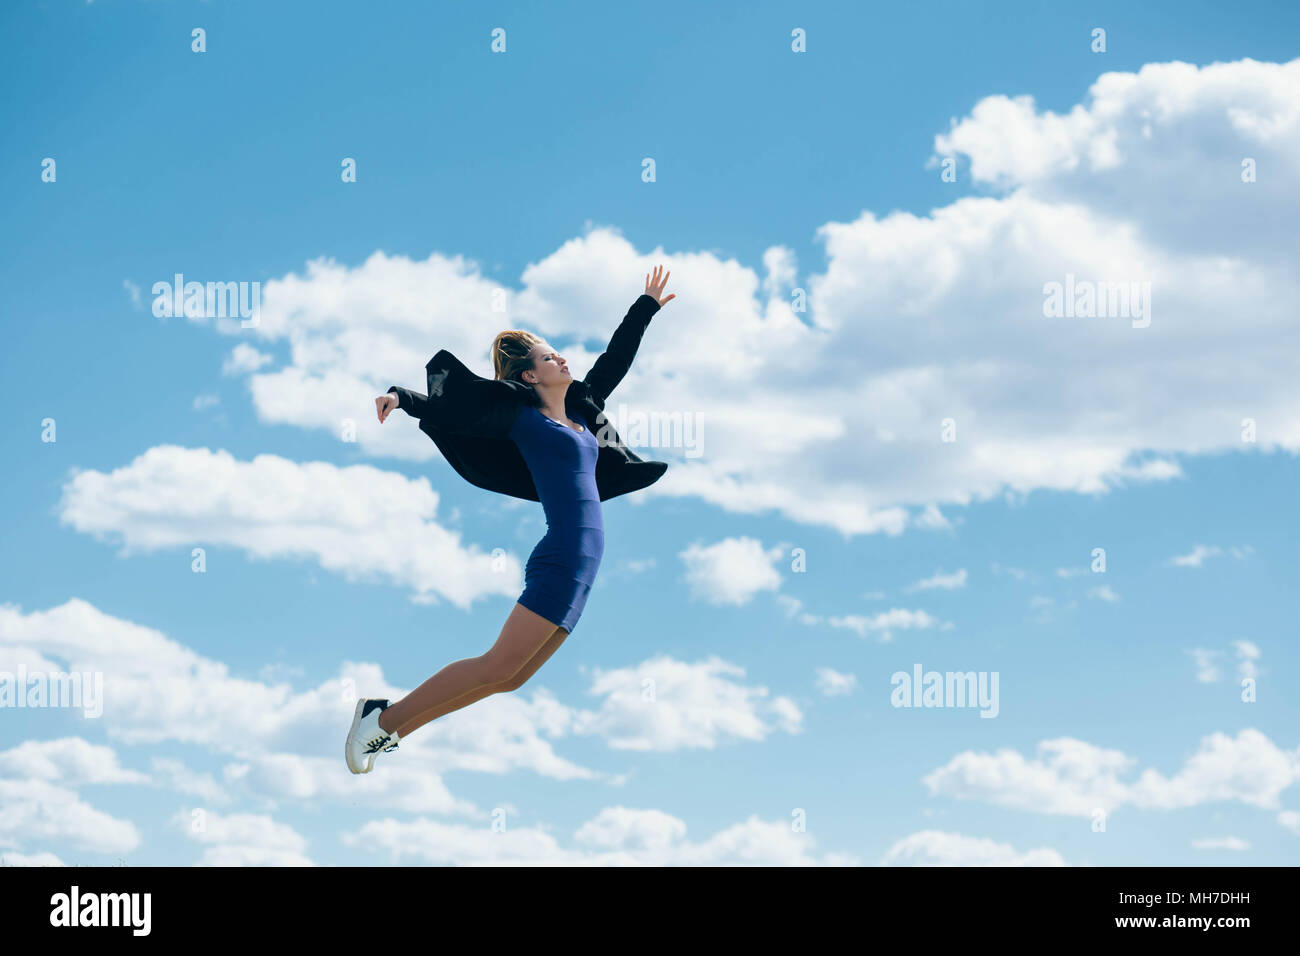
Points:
x=415 y=404
x=612 y=364
x=463 y=403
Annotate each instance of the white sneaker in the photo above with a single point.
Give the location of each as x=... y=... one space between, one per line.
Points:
x=366 y=739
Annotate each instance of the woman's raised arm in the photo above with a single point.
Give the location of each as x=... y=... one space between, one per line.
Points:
x=612 y=364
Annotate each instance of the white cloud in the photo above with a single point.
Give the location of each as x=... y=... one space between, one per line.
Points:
x=1143 y=142
x=242 y=839
x=791 y=606
x=1196 y=557
x=1020 y=574
x=832 y=683
x=885 y=623
x=1247 y=655
x=940 y=580
x=244 y=358
x=1207 y=672
x=731 y=571
x=133 y=291
x=34 y=810
x=39 y=802
x=176 y=776
x=358 y=521
x=70 y=761
x=665 y=704
x=278 y=744
x=277 y=740
x=205 y=401
x=617 y=836
x=936 y=848
x=1075 y=778
x=948 y=306
x=10 y=858
x=1220 y=843
x=1103 y=593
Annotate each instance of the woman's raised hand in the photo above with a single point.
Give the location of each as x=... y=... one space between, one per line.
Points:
x=385 y=404
x=656 y=288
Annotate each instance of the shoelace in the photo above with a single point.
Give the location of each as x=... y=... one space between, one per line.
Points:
x=377 y=743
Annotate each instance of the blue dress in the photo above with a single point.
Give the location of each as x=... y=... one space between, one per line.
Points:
x=562 y=567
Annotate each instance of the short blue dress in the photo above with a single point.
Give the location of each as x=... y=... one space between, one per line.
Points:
x=562 y=567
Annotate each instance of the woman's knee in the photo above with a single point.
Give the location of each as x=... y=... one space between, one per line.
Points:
x=498 y=670
x=512 y=683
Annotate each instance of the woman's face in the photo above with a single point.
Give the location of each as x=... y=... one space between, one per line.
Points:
x=549 y=366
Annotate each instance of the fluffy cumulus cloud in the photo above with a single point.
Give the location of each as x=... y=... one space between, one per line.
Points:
x=731 y=571
x=69 y=760
x=1076 y=778
x=617 y=836
x=666 y=704
x=39 y=803
x=35 y=812
x=268 y=741
x=943 y=312
x=242 y=839
x=361 y=522
x=270 y=737
x=937 y=848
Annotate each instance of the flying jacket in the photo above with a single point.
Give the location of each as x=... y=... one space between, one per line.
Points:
x=469 y=417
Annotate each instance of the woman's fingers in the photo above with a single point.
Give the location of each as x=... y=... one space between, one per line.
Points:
x=656 y=286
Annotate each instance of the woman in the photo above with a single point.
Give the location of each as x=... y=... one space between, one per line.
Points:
x=527 y=433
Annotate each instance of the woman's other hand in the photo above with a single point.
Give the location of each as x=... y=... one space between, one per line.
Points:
x=385 y=404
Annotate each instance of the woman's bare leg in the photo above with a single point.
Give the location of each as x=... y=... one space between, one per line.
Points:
x=464 y=700
x=521 y=637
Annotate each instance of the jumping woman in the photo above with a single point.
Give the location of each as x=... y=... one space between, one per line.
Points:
x=528 y=433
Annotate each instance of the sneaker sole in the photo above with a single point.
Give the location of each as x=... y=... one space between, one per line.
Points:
x=352 y=732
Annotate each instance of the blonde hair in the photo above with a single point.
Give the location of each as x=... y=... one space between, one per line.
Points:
x=511 y=351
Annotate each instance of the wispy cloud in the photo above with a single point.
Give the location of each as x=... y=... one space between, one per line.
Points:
x=831 y=683
x=1220 y=843
x=1196 y=557
x=886 y=622
x=947 y=582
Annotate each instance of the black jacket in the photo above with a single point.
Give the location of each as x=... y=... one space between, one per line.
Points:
x=469 y=417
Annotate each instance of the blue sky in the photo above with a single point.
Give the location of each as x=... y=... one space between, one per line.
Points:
x=370 y=560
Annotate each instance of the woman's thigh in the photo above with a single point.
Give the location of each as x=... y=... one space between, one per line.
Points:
x=522 y=636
